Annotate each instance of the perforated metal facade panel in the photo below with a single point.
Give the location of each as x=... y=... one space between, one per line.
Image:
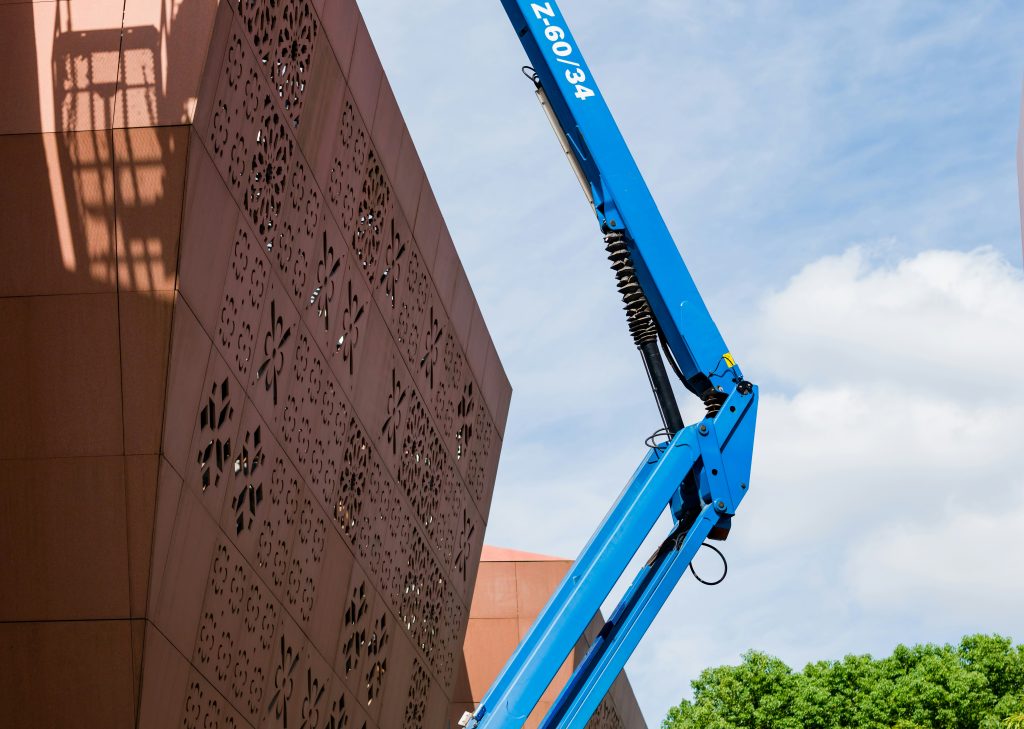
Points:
x=243 y=354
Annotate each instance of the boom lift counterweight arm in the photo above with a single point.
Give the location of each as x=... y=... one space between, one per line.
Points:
x=700 y=473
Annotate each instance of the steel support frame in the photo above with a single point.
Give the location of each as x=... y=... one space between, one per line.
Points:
x=715 y=453
x=601 y=563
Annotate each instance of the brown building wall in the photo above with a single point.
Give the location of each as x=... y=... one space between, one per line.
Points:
x=512 y=588
x=250 y=414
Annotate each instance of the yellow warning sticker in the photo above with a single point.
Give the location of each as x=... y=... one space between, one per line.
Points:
x=729 y=360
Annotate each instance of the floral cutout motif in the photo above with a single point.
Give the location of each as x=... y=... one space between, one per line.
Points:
x=284 y=682
x=273 y=349
x=247 y=463
x=351 y=323
x=323 y=292
x=213 y=417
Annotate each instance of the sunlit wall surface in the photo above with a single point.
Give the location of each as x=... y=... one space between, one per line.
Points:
x=250 y=414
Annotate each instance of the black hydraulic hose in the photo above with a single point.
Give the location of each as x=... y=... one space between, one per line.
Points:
x=643 y=329
x=661 y=386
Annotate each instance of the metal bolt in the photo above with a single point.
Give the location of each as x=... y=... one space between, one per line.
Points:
x=743 y=486
x=703 y=429
x=612 y=223
x=721 y=505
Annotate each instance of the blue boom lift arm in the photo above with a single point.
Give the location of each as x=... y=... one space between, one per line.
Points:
x=699 y=472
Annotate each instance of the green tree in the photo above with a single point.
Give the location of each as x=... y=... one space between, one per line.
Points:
x=976 y=684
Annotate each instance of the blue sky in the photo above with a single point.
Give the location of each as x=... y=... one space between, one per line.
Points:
x=841 y=181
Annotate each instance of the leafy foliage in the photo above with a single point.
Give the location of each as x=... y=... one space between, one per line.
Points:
x=978 y=684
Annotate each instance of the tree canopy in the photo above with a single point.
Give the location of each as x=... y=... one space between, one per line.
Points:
x=976 y=684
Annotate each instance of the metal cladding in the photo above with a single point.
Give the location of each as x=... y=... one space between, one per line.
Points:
x=250 y=414
x=511 y=589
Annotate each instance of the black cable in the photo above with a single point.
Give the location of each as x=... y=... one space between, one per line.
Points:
x=668 y=355
x=531 y=73
x=725 y=566
x=653 y=440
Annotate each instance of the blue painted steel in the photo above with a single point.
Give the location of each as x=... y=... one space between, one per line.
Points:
x=622 y=200
x=714 y=453
x=656 y=580
x=631 y=619
x=588 y=582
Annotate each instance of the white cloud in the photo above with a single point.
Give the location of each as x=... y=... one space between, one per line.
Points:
x=771 y=136
x=965 y=565
x=887 y=498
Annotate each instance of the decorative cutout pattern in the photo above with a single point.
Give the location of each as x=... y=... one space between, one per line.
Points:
x=353 y=637
x=243 y=293
x=250 y=496
x=283 y=34
x=382 y=438
x=274 y=340
x=605 y=717
x=214 y=417
x=235 y=632
x=376 y=654
x=284 y=681
x=352 y=319
x=307 y=555
x=204 y=708
x=348 y=168
x=416 y=704
x=278 y=525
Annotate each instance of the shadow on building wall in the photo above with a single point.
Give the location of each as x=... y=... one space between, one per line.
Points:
x=118 y=193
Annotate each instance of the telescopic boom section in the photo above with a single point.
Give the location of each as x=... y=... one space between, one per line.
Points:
x=700 y=472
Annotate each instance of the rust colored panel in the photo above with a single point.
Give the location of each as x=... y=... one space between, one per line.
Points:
x=168 y=493
x=177 y=589
x=490 y=642
x=244 y=295
x=64 y=60
x=300 y=543
x=208 y=238
x=234 y=647
x=186 y=371
x=140 y=487
x=58 y=214
x=145 y=326
x=149 y=181
x=325 y=95
x=62 y=392
x=364 y=643
x=271 y=365
x=64 y=539
x=283 y=36
x=209 y=82
x=476 y=350
x=388 y=131
x=331 y=595
x=87 y=667
x=165 y=680
x=518 y=585
x=463 y=306
x=205 y=707
x=535 y=583
x=495 y=596
x=497 y=390
x=217 y=413
x=428 y=225
x=409 y=180
x=163 y=51
x=341 y=18
x=366 y=75
x=537 y=716
x=341 y=178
